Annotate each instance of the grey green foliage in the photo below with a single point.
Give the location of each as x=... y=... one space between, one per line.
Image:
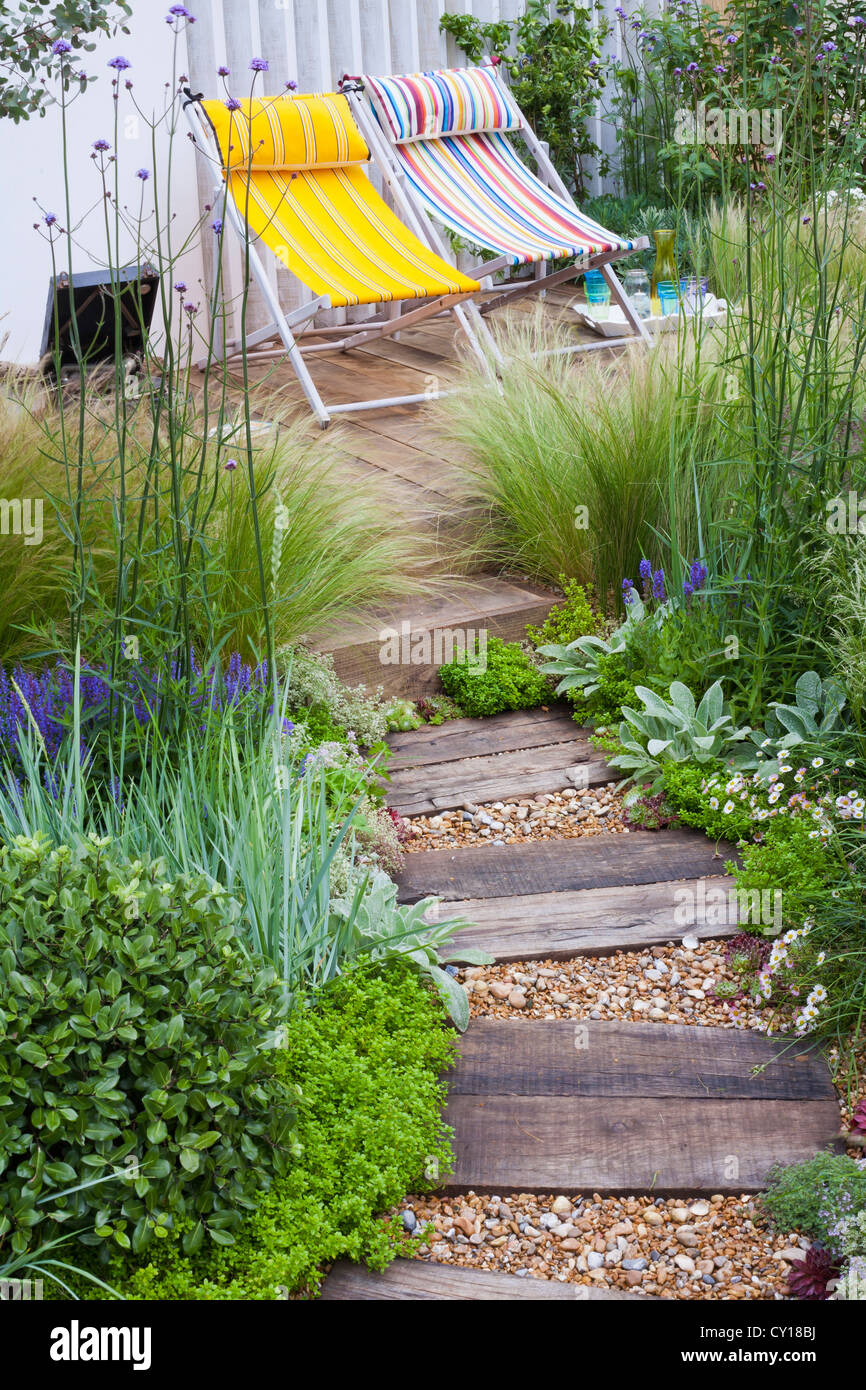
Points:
x=576 y=663
x=674 y=731
x=814 y=718
x=136 y=1042
x=27 y=32
x=384 y=929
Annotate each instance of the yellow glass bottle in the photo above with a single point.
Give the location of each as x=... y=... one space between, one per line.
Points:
x=665 y=267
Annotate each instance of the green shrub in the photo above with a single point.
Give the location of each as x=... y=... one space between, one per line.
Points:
x=507 y=680
x=682 y=784
x=810 y=1196
x=574 y=617
x=366 y=1056
x=134 y=1039
x=616 y=684
x=788 y=860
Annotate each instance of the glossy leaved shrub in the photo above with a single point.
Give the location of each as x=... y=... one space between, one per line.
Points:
x=137 y=1045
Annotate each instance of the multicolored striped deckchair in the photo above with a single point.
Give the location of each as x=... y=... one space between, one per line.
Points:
x=292 y=181
x=443 y=137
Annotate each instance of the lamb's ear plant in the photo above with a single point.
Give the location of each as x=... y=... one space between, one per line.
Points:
x=813 y=722
x=381 y=928
x=576 y=663
x=673 y=731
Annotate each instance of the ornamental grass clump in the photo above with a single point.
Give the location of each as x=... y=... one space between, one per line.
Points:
x=137 y=1043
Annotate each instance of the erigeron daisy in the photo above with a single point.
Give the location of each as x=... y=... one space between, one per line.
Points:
x=727 y=808
x=821 y=957
x=849 y=762
x=714 y=803
x=818 y=995
x=817 y=762
x=799 y=774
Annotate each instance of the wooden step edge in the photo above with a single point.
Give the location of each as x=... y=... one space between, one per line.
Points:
x=425 y=1280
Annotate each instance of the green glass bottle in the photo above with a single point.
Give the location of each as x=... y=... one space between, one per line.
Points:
x=665 y=267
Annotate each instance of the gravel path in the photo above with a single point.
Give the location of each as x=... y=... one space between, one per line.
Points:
x=664 y=984
x=561 y=815
x=716 y=1248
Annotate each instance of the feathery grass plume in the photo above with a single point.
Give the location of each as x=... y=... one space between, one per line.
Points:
x=581 y=467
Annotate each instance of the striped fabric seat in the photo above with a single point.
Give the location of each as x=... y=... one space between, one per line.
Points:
x=479 y=187
x=317 y=211
x=425 y=105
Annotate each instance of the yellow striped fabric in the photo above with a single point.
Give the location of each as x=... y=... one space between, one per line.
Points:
x=332 y=230
x=287 y=132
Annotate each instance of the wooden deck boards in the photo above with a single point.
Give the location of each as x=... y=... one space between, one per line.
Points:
x=549 y=1106
x=598 y=861
x=596 y=921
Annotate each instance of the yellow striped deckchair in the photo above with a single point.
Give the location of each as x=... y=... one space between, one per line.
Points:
x=293 y=182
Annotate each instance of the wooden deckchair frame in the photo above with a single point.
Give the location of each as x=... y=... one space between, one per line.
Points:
x=516 y=287
x=292 y=326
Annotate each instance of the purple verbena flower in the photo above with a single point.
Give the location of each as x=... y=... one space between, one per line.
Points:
x=61 y=46
x=230 y=465
x=143 y=174
x=119 y=64
x=232 y=104
x=101 y=145
x=223 y=71
x=217 y=226
x=180 y=286
x=259 y=65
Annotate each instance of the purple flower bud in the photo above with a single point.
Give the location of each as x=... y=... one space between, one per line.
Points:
x=119 y=64
x=180 y=286
x=678 y=72
x=259 y=65
x=217 y=225
x=770 y=158
x=189 y=308
x=798 y=30
x=101 y=145
x=231 y=465
x=291 y=86
x=223 y=72
x=232 y=104
x=50 y=219
x=692 y=67
x=143 y=174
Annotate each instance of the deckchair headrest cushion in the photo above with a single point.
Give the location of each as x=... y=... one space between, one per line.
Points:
x=427 y=105
x=287 y=132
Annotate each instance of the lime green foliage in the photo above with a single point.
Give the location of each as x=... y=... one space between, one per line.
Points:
x=382 y=928
x=615 y=687
x=802 y=1196
x=508 y=680
x=788 y=860
x=682 y=784
x=134 y=1039
x=575 y=617
x=366 y=1055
